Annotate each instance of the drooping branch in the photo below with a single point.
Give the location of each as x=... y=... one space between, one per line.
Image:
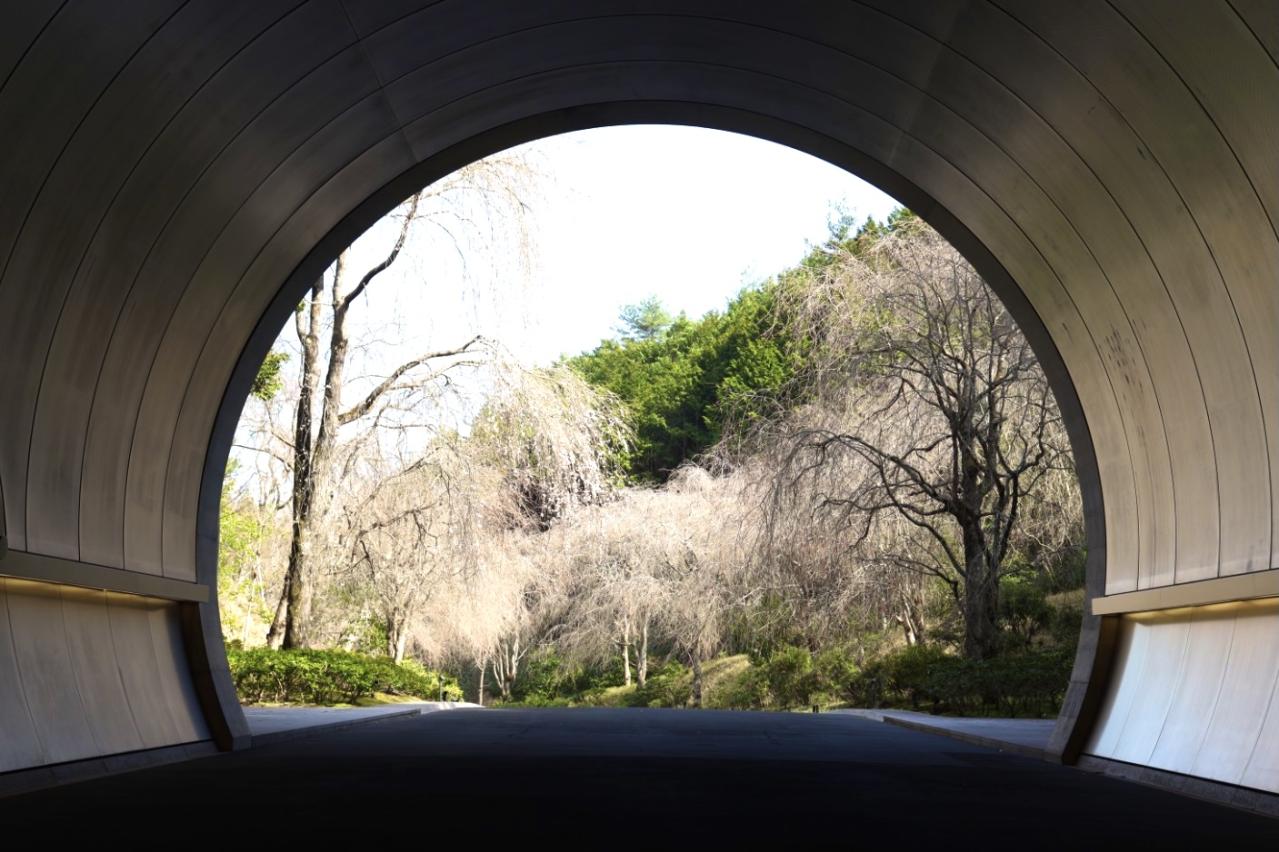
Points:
x=365 y=405
x=343 y=303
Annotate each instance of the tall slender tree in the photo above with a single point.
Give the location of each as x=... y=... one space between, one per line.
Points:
x=323 y=326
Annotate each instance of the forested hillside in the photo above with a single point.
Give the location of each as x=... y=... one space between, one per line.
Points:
x=849 y=486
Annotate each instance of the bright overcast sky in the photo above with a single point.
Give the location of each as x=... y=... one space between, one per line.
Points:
x=686 y=214
x=619 y=214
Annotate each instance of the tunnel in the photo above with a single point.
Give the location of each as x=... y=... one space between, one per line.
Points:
x=175 y=174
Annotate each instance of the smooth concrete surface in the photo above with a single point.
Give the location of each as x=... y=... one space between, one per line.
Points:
x=269 y=724
x=1029 y=737
x=1196 y=694
x=85 y=673
x=667 y=779
x=176 y=173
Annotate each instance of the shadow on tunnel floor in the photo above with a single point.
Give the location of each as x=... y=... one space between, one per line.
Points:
x=638 y=778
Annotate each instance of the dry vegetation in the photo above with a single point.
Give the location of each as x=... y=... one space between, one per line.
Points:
x=892 y=487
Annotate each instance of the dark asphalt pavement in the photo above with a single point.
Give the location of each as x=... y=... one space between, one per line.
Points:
x=663 y=779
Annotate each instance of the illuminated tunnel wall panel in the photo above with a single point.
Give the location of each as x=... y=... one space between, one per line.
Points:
x=87 y=673
x=1194 y=692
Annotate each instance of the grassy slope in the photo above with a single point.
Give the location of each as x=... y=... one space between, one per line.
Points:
x=718 y=677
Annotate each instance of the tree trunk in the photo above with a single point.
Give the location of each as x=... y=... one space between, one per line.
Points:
x=289 y=628
x=297 y=624
x=506 y=666
x=502 y=676
x=697 y=680
x=275 y=635
x=480 y=695
x=626 y=654
x=512 y=668
x=981 y=601
x=641 y=656
x=314 y=456
x=908 y=629
x=498 y=674
x=397 y=638
x=911 y=617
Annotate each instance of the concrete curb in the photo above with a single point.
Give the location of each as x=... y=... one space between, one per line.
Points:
x=331 y=727
x=342 y=724
x=969 y=737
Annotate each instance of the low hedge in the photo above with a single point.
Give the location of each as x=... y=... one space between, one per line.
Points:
x=263 y=675
x=1030 y=683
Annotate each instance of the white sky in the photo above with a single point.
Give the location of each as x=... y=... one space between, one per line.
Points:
x=686 y=214
x=618 y=214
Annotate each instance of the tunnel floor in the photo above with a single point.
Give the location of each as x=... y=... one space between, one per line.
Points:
x=658 y=778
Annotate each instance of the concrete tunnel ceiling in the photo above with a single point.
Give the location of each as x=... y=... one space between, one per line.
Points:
x=174 y=173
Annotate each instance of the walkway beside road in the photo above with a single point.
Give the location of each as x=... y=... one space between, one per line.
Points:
x=271 y=724
x=1027 y=737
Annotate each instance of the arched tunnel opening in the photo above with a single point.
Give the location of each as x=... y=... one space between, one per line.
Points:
x=530 y=565
x=1102 y=170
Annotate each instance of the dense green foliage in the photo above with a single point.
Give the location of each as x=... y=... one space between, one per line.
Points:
x=242 y=531
x=268 y=381
x=923 y=677
x=262 y=675
x=1028 y=683
x=683 y=379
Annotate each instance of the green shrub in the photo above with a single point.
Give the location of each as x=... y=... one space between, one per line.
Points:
x=833 y=670
x=870 y=687
x=748 y=690
x=669 y=685
x=538 y=680
x=789 y=676
x=1023 y=611
x=546 y=680
x=1029 y=683
x=538 y=700
x=263 y=675
x=915 y=673
x=1067 y=617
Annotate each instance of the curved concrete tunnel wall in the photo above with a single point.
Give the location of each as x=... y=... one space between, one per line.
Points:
x=174 y=174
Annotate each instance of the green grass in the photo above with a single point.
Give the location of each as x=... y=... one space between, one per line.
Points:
x=718 y=677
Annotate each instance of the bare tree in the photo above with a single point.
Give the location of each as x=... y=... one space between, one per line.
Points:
x=616 y=589
x=314 y=448
x=926 y=408
x=323 y=413
x=419 y=530
x=560 y=441
x=443 y=545
x=670 y=565
x=512 y=605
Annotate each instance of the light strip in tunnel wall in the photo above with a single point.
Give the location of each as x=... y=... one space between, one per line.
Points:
x=1240 y=587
